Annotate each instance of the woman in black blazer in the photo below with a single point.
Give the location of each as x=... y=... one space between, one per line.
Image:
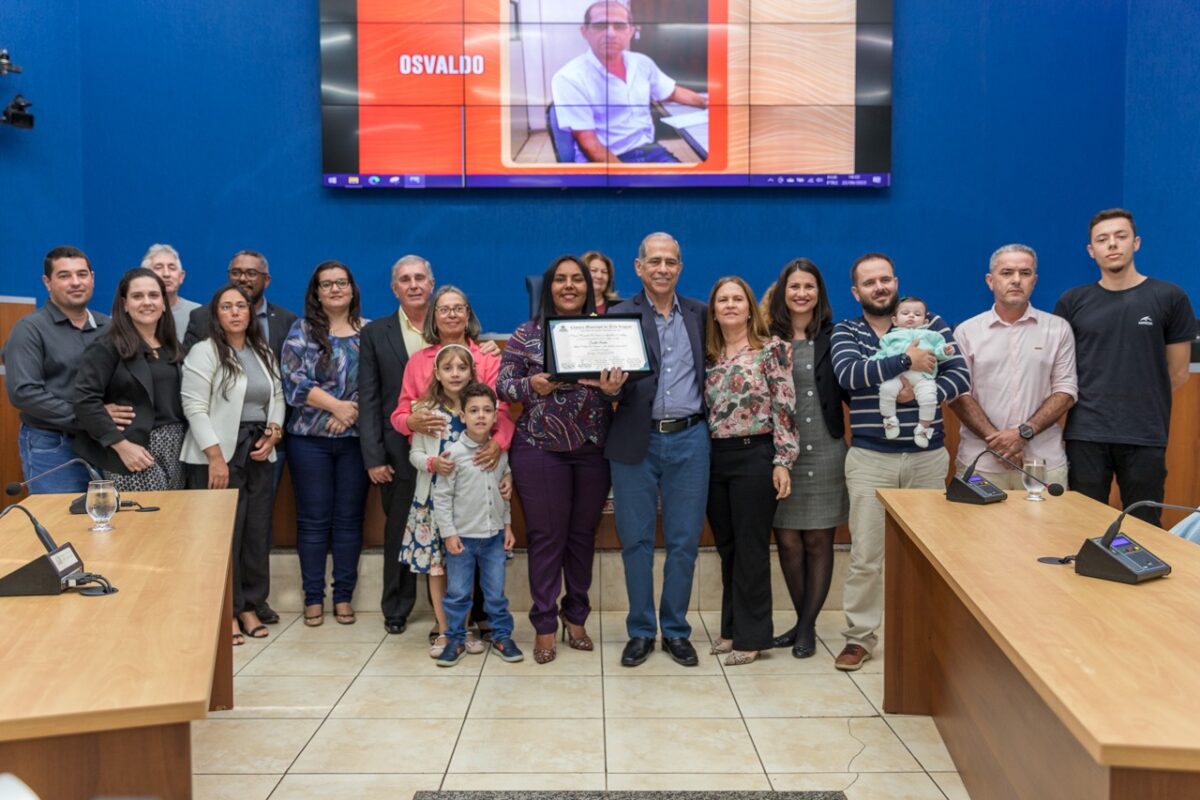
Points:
x=806 y=520
x=135 y=363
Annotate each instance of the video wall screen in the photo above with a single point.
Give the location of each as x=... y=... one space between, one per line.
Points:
x=551 y=93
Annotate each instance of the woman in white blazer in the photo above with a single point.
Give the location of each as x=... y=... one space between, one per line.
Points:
x=233 y=400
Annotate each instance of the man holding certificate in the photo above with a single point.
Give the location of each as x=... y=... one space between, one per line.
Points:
x=658 y=443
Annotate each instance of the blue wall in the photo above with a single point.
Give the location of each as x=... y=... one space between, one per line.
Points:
x=197 y=123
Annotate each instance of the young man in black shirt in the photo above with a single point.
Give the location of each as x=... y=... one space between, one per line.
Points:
x=1133 y=341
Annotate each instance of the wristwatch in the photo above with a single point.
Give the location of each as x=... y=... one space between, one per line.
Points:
x=905 y=361
x=1026 y=432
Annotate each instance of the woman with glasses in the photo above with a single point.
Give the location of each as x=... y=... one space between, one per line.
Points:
x=233 y=400
x=135 y=363
x=320 y=381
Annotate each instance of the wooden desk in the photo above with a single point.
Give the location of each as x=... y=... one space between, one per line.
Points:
x=1043 y=683
x=98 y=692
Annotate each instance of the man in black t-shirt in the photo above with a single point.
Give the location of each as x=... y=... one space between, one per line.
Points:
x=1132 y=345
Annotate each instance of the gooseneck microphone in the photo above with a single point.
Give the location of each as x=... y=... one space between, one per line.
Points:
x=15 y=487
x=1115 y=528
x=43 y=535
x=973 y=488
x=1115 y=556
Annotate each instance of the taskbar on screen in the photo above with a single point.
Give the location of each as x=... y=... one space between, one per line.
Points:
x=871 y=180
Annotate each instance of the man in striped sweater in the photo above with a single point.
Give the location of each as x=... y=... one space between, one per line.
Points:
x=875 y=461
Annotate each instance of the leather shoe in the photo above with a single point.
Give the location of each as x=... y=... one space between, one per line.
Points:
x=268 y=615
x=395 y=625
x=637 y=650
x=680 y=649
x=852 y=657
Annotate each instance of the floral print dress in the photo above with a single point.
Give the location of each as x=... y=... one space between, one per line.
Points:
x=422 y=549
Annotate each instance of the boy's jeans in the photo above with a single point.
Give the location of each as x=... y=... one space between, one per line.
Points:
x=486 y=555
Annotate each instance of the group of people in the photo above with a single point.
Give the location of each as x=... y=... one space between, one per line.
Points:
x=741 y=422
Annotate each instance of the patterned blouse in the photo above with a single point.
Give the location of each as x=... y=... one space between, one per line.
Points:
x=561 y=421
x=302 y=372
x=751 y=394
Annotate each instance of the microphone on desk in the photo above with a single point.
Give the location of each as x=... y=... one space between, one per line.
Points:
x=1115 y=556
x=79 y=504
x=973 y=488
x=46 y=574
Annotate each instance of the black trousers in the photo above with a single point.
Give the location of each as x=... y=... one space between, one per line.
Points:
x=1141 y=473
x=255 y=482
x=399 y=583
x=741 y=508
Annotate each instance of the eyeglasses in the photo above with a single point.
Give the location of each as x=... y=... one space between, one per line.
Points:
x=619 y=27
x=340 y=283
x=248 y=274
x=445 y=311
x=225 y=308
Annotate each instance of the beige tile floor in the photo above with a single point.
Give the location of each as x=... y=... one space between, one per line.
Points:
x=347 y=711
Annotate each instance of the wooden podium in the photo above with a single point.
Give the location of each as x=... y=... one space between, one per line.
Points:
x=98 y=692
x=1043 y=683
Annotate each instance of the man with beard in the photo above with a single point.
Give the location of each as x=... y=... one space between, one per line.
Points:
x=249 y=269
x=875 y=461
x=41 y=358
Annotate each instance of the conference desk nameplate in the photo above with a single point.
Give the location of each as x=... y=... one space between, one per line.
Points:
x=1041 y=680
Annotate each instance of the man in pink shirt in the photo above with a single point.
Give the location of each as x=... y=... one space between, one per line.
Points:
x=1022 y=363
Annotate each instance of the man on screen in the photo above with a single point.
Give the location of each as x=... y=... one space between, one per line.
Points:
x=603 y=96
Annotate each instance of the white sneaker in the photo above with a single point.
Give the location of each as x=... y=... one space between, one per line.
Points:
x=921 y=435
x=474 y=644
x=891 y=427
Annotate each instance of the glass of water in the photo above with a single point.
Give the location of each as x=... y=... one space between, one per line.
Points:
x=101 y=505
x=1036 y=467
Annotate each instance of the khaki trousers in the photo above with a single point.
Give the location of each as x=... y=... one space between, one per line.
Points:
x=866 y=471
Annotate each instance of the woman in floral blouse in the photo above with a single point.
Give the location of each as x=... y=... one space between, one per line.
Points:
x=320 y=381
x=558 y=463
x=749 y=393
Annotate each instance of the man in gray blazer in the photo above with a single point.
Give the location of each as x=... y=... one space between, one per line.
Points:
x=659 y=443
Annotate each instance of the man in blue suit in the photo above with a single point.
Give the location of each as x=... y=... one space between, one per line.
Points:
x=659 y=444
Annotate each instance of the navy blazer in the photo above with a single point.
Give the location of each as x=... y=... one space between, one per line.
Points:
x=629 y=436
x=382 y=358
x=105 y=377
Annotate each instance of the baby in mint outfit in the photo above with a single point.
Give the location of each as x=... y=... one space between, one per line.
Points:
x=910 y=321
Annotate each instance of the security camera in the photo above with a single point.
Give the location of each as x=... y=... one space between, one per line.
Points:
x=16 y=115
x=6 y=64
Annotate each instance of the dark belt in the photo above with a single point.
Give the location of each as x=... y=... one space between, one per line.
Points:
x=673 y=425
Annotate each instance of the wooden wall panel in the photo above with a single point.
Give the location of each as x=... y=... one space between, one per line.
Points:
x=11 y=310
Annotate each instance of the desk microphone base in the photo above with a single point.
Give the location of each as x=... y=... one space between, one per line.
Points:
x=38 y=577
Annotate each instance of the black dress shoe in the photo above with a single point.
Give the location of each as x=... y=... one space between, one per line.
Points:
x=637 y=650
x=267 y=615
x=785 y=639
x=682 y=651
x=806 y=644
x=395 y=625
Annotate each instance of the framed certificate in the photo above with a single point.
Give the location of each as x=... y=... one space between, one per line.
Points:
x=581 y=347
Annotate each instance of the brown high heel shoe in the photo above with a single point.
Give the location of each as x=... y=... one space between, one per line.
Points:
x=582 y=642
x=544 y=655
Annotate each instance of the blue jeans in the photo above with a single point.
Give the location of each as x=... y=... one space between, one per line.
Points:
x=677 y=465
x=486 y=555
x=653 y=153
x=42 y=450
x=330 y=483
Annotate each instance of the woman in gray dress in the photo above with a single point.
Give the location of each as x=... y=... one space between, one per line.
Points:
x=805 y=521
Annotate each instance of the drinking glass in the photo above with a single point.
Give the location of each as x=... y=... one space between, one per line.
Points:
x=1036 y=467
x=101 y=505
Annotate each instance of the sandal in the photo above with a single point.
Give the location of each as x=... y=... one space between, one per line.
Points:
x=544 y=655
x=238 y=640
x=581 y=642
x=739 y=657
x=439 y=644
x=314 y=619
x=344 y=617
x=721 y=646
x=258 y=631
